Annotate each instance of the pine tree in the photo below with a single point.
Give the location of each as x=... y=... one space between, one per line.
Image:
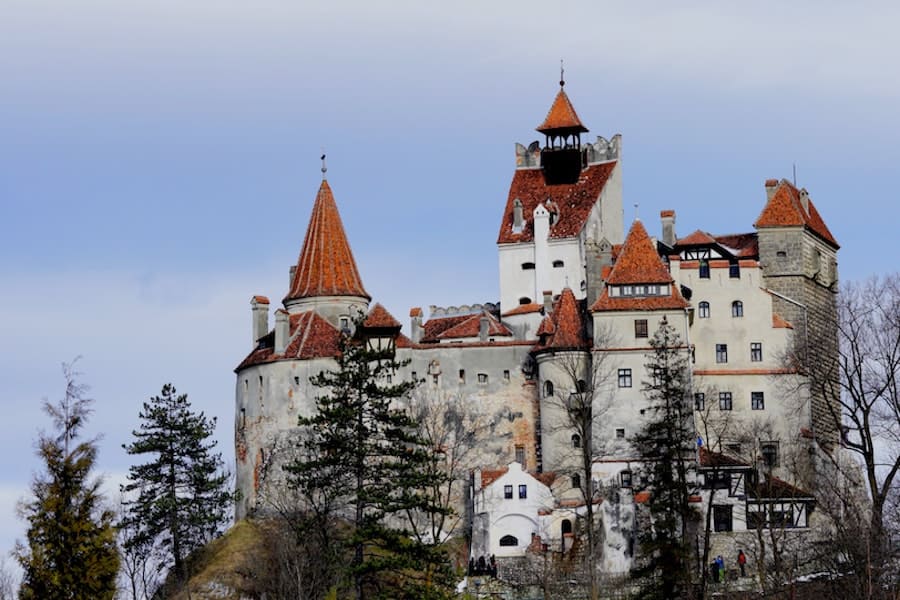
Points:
x=71 y=552
x=180 y=497
x=667 y=445
x=364 y=456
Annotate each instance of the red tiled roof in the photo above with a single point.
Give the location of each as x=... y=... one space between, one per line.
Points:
x=717 y=459
x=471 y=327
x=379 y=317
x=524 y=309
x=546 y=327
x=785 y=209
x=773 y=488
x=644 y=303
x=489 y=476
x=561 y=116
x=698 y=238
x=574 y=200
x=310 y=336
x=326 y=266
x=415 y=311
x=638 y=262
x=667 y=213
x=642 y=497
x=434 y=327
x=779 y=323
x=568 y=326
x=746 y=245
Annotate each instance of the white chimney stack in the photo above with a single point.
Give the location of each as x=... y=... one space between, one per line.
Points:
x=259 y=309
x=282 y=330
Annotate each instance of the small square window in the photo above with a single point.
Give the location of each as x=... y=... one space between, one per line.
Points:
x=520 y=455
x=576 y=481
x=721 y=353
x=523 y=491
x=755 y=351
x=506 y=375
x=757 y=401
x=734 y=270
x=699 y=401
x=507 y=492
x=724 y=400
x=640 y=328
x=482 y=378
x=620 y=433
x=624 y=378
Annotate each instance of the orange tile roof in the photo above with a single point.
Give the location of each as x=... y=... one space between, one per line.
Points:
x=489 y=476
x=432 y=328
x=745 y=245
x=774 y=488
x=561 y=116
x=709 y=458
x=568 y=326
x=640 y=303
x=785 y=209
x=638 y=262
x=326 y=266
x=379 y=317
x=415 y=311
x=546 y=327
x=574 y=200
x=524 y=309
x=310 y=336
x=778 y=322
x=471 y=327
x=698 y=238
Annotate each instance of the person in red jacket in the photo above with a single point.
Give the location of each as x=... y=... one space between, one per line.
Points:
x=742 y=560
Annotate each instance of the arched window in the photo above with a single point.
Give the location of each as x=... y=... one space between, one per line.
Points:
x=524 y=300
x=548 y=388
x=509 y=540
x=737 y=309
x=576 y=440
x=558 y=264
x=582 y=385
x=566 y=526
x=703 y=310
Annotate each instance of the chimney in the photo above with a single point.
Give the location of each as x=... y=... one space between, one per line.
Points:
x=259 y=309
x=282 y=330
x=668 y=227
x=771 y=186
x=415 y=324
x=484 y=326
x=804 y=200
x=598 y=256
x=548 y=302
x=518 y=221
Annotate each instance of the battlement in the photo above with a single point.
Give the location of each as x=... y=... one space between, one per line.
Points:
x=600 y=151
x=463 y=309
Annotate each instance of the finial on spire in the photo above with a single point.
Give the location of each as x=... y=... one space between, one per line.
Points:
x=562 y=74
x=324 y=167
x=636 y=215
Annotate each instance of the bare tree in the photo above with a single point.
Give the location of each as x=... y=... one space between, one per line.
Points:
x=8 y=581
x=864 y=404
x=580 y=401
x=139 y=573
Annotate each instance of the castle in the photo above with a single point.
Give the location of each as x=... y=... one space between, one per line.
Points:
x=577 y=291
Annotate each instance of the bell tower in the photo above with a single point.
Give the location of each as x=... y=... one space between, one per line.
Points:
x=561 y=156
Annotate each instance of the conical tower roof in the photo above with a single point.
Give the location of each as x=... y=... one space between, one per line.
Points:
x=638 y=261
x=562 y=118
x=326 y=266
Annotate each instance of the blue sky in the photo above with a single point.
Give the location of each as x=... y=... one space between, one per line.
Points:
x=158 y=162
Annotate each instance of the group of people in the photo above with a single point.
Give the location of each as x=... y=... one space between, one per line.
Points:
x=482 y=566
x=717 y=567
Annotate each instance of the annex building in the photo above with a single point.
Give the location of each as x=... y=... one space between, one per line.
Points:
x=581 y=295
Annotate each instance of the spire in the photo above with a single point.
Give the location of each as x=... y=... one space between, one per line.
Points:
x=326 y=266
x=561 y=118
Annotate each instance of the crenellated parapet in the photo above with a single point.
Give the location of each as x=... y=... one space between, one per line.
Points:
x=463 y=309
x=602 y=150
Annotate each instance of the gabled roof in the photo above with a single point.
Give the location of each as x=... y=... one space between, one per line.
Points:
x=772 y=488
x=379 y=317
x=561 y=116
x=574 y=201
x=434 y=327
x=309 y=335
x=471 y=327
x=712 y=459
x=698 y=238
x=785 y=209
x=566 y=331
x=638 y=262
x=326 y=266
x=744 y=245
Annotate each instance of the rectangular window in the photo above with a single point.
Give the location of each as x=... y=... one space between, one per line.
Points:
x=482 y=378
x=734 y=270
x=769 y=451
x=414 y=378
x=724 y=400
x=506 y=375
x=704 y=269
x=722 y=517
x=757 y=401
x=620 y=433
x=523 y=491
x=721 y=353
x=435 y=379
x=507 y=492
x=462 y=375
x=719 y=480
x=243 y=418
x=625 y=479
x=699 y=401
x=520 y=455
x=624 y=378
x=755 y=351
x=640 y=328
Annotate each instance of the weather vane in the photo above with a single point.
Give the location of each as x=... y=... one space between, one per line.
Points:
x=562 y=74
x=324 y=168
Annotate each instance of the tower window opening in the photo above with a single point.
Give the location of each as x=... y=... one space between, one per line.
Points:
x=524 y=300
x=558 y=264
x=528 y=266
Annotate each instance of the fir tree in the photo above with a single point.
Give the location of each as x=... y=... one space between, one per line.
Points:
x=71 y=552
x=667 y=446
x=180 y=497
x=364 y=456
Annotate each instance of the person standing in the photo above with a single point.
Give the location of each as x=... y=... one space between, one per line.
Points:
x=742 y=560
